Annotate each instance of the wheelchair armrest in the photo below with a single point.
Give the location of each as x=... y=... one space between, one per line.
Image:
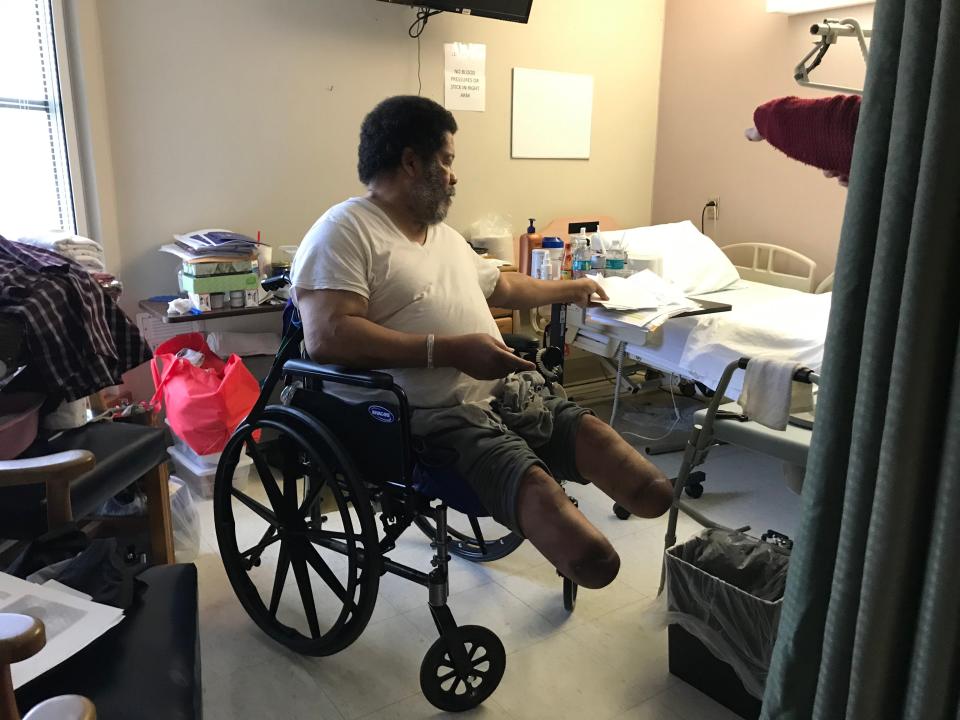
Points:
x=338 y=374
x=520 y=343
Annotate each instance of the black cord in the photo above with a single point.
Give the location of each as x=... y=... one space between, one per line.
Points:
x=415 y=31
x=704 y=213
x=420 y=24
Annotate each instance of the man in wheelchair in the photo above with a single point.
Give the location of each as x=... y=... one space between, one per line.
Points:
x=381 y=282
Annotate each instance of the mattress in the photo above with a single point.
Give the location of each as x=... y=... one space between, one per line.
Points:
x=764 y=320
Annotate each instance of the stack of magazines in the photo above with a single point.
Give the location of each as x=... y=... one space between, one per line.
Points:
x=207 y=245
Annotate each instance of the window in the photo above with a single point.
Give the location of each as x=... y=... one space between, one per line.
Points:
x=35 y=187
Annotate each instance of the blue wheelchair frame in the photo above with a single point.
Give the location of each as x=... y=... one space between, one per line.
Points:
x=407 y=492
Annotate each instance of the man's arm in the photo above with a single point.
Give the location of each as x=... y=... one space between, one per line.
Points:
x=336 y=330
x=519 y=291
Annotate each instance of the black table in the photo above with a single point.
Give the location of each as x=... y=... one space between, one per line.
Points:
x=145 y=668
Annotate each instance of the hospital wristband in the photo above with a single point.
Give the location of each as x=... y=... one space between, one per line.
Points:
x=430 y=340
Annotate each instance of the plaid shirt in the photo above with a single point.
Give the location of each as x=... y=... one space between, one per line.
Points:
x=77 y=339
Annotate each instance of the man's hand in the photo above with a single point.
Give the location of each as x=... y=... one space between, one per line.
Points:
x=478 y=355
x=582 y=290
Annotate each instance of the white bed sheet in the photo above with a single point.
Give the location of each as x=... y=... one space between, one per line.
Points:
x=765 y=320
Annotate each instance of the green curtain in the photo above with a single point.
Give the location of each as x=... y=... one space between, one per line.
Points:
x=870 y=627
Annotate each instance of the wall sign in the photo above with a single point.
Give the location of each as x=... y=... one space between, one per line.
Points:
x=465 y=76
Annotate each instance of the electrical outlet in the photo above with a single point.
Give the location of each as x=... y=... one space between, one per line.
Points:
x=713 y=211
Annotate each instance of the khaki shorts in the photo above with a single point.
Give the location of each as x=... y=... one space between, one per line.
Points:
x=492 y=446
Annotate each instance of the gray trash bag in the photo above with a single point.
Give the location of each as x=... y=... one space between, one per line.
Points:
x=185 y=520
x=726 y=589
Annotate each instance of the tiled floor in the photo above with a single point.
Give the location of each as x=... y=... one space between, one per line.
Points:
x=606 y=660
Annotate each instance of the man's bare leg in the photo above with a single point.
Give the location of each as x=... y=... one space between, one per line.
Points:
x=561 y=532
x=609 y=462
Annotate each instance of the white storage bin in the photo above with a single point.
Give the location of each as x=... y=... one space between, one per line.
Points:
x=201 y=477
x=206 y=461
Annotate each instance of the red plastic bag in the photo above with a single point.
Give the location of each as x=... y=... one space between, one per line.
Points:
x=204 y=404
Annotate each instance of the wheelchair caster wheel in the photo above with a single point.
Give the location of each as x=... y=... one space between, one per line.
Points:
x=569 y=594
x=621 y=512
x=445 y=688
x=687 y=388
x=694 y=491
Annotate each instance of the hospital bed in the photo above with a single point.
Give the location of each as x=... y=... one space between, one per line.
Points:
x=772 y=313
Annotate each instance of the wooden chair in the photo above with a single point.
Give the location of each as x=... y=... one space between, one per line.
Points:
x=53 y=483
x=70 y=477
x=22 y=637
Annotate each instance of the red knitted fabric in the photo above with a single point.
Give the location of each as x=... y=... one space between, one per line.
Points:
x=815 y=132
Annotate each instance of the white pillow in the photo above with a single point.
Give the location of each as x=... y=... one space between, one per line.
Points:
x=691 y=260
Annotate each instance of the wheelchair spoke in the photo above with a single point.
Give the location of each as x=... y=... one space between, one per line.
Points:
x=446 y=676
x=306 y=590
x=283 y=564
x=318 y=536
x=478 y=534
x=259 y=509
x=323 y=570
x=268 y=539
x=266 y=478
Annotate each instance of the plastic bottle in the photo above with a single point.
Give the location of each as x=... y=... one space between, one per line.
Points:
x=566 y=268
x=529 y=241
x=581 y=256
x=617 y=260
x=598 y=259
x=555 y=246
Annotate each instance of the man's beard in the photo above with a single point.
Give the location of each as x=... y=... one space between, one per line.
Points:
x=432 y=197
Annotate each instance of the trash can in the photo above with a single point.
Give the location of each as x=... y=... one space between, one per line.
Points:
x=724 y=596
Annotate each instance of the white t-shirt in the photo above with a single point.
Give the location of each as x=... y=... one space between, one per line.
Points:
x=439 y=287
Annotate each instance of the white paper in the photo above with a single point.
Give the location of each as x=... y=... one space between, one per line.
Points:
x=644 y=290
x=465 y=76
x=71 y=623
x=552 y=114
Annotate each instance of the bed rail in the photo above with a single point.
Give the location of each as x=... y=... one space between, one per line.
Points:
x=763 y=272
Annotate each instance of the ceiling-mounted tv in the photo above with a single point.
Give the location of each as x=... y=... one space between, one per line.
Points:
x=513 y=10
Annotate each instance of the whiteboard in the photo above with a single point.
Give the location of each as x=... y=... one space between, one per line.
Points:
x=552 y=114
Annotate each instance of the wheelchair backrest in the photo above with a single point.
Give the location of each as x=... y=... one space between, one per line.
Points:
x=366 y=422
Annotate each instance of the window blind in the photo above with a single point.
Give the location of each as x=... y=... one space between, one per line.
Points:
x=35 y=189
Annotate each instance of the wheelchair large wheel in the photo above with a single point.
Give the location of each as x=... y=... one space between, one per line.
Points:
x=272 y=524
x=473 y=544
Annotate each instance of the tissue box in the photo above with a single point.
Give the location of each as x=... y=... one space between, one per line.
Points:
x=219 y=283
x=205 y=269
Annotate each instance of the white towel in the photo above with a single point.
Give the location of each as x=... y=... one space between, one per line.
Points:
x=90 y=261
x=59 y=241
x=769 y=392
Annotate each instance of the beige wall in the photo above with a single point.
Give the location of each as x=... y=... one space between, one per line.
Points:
x=245 y=114
x=722 y=58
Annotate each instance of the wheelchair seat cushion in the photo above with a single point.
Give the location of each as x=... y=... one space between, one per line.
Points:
x=446 y=484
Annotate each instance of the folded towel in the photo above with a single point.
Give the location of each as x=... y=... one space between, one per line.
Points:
x=89 y=261
x=769 y=392
x=60 y=241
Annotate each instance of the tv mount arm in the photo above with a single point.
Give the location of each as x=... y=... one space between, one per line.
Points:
x=829 y=31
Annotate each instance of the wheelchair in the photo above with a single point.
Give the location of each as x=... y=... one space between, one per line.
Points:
x=332 y=455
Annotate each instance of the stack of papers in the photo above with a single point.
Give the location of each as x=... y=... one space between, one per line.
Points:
x=641 y=291
x=71 y=622
x=642 y=300
x=212 y=245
